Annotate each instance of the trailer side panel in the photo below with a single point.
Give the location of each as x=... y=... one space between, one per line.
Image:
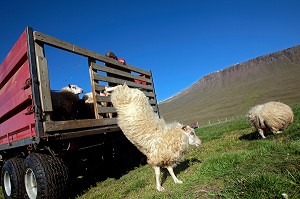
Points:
x=16 y=113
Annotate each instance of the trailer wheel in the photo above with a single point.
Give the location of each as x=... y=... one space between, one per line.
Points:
x=45 y=176
x=11 y=177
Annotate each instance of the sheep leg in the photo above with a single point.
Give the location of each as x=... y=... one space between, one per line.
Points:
x=261 y=132
x=157 y=177
x=277 y=132
x=170 y=169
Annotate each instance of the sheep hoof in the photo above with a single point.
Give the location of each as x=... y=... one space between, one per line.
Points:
x=261 y=132
x=178 y=182
x=160 y=188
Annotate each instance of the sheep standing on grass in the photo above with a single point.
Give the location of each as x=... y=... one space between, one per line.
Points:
x=271 y=116
x=163 y=144
x=63 y=102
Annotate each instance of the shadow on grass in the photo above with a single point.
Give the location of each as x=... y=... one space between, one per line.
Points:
x=179 y=168
x=107 y=162
x=251 y=136
x=255 y=135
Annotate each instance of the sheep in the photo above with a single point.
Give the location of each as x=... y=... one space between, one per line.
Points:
x=163 y=144
x=63 y=102
x=88 y=97
x=89 y=102
x=273 y=116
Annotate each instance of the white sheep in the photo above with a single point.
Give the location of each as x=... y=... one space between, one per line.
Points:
x=163 y=144
x=271 y=116
x=63 y=102
x=88 y=97
x=89 y=102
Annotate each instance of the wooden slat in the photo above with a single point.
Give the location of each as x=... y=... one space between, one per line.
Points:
x=119 y=72
x=51 y=41
x=92 y=71
x=103 y=78
x=152 y=102
x=148 y=94
x=153 y=89
x=107 y=99
x=103 y=98
x=99 y=87
x=43 y=77
x=52 y=126
x=88 y=132
x=102 y=109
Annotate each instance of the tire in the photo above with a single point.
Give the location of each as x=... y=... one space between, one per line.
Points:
x=11 y=178
x=45 y=177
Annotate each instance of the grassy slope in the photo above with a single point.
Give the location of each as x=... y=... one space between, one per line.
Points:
x=231 y=163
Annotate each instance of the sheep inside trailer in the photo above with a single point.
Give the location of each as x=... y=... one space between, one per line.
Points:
x=31 y=139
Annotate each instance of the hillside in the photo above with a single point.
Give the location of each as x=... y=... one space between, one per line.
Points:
x=232 y=91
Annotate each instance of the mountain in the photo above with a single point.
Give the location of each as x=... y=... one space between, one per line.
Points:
x=232 y=91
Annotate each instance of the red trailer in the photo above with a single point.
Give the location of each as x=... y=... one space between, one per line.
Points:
x=36 y=152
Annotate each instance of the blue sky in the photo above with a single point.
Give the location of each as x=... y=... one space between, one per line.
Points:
x=179 y=41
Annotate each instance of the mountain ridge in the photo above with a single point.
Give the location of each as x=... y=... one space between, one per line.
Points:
x=261 y=76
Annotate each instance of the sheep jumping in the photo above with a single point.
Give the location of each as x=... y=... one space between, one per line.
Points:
x=271 y=116
x=163 y=144
x=63 y=102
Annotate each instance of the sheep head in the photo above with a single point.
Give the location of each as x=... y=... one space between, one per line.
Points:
x=190 y=132
x=75 y=89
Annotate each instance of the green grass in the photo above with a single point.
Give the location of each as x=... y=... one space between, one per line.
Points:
x=233 y=162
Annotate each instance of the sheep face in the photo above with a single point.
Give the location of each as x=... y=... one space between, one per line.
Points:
x=193 y=139
x=75 y=89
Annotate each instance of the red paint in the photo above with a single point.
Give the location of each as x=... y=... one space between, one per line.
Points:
x=15 y=124
x=13 y=57
x=12 y=93
x=17 y=127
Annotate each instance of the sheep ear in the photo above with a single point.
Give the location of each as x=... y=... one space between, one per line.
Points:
x=69 y=85
x=184 y=128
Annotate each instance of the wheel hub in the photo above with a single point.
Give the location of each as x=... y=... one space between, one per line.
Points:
x=30 y=184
